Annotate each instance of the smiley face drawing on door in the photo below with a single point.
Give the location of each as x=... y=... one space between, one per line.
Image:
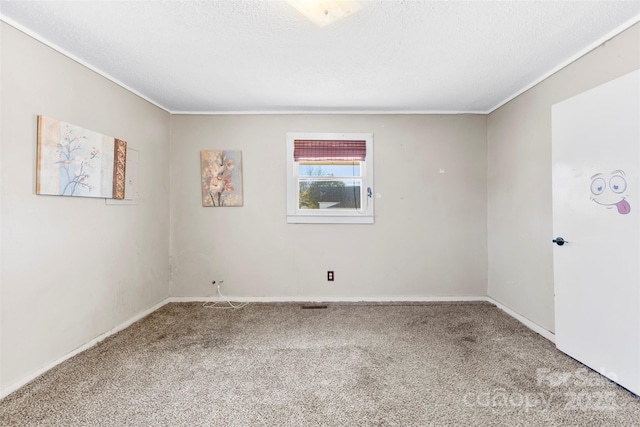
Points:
x=609 y=190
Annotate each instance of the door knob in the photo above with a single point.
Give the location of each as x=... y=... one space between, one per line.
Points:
x=559 y=241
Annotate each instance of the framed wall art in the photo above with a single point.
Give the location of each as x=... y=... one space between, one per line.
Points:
x=221 y=178
x=73 y=161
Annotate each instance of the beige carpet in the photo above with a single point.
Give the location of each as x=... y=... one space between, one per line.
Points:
x=441 y=364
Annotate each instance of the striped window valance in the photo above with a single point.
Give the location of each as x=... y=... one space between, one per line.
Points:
x=329 y=150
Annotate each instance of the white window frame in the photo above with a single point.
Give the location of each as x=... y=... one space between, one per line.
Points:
x=364 y=215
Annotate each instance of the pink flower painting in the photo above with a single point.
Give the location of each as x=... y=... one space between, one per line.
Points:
x=221 y=176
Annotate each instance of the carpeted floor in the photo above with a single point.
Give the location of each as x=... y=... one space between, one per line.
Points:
x=437 y=364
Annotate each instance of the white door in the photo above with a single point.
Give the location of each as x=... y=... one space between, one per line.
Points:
x=596 y=209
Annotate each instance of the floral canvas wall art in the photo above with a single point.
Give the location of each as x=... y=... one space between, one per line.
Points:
x=221 y=176
x=73 y=161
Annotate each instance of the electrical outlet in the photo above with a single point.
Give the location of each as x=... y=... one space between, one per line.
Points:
x=330 y=276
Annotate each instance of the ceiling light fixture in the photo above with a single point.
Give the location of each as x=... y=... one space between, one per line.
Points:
x=325 y=12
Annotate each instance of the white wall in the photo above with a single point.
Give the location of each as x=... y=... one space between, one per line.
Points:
x=73 y=268
x=429 y=238
x=519 y=179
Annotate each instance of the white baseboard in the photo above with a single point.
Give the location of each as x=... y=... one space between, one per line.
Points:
x=528 y=323
x=24 y=381
x=327 y=299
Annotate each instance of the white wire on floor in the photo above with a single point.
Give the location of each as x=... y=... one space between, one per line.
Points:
x=225 y=304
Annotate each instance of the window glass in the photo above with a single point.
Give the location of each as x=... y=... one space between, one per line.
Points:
x=327 y=169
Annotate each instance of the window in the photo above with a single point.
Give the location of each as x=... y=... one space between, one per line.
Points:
x=330 y=178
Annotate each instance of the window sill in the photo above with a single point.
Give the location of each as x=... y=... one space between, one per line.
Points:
x=318 y=219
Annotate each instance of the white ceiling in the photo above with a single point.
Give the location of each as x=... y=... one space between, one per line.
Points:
x=264 y=56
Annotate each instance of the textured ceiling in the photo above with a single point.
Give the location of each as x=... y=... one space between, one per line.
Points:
x=264 y=56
